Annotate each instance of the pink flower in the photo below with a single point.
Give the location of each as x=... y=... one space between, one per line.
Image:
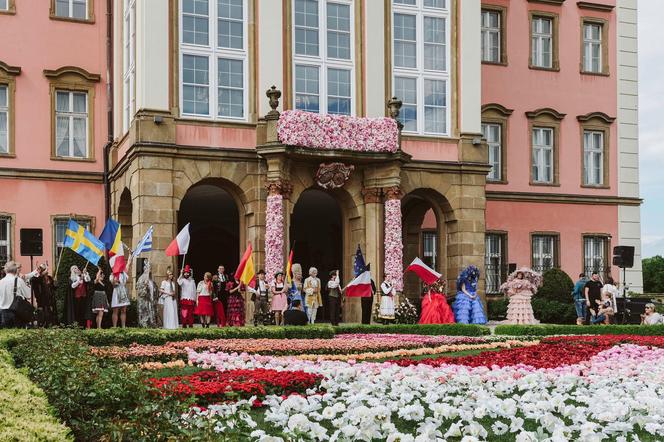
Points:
x=393 y=243
x=274 y=235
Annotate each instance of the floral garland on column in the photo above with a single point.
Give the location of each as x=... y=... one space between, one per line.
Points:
x=393 y=243
x=274 y=235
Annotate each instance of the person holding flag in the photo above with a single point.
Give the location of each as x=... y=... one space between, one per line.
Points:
x=359 y=267
x=120 y=299
x=111 y=237
x=435 y=309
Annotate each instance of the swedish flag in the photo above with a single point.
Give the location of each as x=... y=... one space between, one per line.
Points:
x=83 y=242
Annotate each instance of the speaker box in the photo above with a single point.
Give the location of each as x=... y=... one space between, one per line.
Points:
x=629 y=310
x=32 y=242
x=623 y=256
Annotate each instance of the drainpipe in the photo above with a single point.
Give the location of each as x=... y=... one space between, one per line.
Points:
x=109 y=105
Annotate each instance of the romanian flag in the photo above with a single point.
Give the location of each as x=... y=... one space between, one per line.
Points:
x=245 y=271
x=112 y=238
x=83 y=242
x=289 y=267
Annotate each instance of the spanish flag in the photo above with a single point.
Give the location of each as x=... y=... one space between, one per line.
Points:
x=289 y=266
x=111 y=236
x=245 y=271
x=83 y=242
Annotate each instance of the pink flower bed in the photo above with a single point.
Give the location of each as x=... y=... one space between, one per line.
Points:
x=308 y=129
x=393 y=243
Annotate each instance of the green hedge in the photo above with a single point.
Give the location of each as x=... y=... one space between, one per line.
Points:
x=546 y=330
x=127 y=336
x=546 y=311
x=25 y=413
x=417 y=329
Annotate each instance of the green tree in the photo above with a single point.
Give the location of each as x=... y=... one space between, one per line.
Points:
x=557 y=286
x=653 y=274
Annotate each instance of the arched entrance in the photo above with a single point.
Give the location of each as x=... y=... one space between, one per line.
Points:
x=214 y=226
x=316 y=231
x=125 y=208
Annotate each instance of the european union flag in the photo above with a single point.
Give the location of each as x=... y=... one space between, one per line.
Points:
x=83 y=242
x=359 y=266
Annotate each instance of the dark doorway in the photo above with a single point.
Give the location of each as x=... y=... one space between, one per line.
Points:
x=316 y=232
x=214 y=228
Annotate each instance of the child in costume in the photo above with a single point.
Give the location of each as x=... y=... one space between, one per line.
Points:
x=468 y=306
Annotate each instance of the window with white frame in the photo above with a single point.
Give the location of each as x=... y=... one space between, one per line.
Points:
x=4 y=118
x=491 y=36
x=4 y=5
x=542 y=42
x=543 y=155
x=592 y=47
x=214 y=59
x=129 y=56
x=494 y=258
x=77 y=9
x=595 y=250
x=323 y=56
x=420 y=54
x=492 y=133
x=429 y=252
x=593 y=158
x=71 y=124
x=59 y=229
x=544 y=252
x=5 y=239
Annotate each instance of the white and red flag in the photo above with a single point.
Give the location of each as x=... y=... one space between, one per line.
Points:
x=426 y=273
x=180 y=244
x=360 y=286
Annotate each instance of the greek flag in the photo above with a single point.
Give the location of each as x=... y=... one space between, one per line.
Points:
x=145 y=244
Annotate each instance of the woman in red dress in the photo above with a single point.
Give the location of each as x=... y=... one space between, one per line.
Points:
x=435 y=309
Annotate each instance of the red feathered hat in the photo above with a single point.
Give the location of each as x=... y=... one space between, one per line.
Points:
x=187 y=269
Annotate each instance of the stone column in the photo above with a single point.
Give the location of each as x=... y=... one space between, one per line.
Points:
x=274 y=226
x=393 y=266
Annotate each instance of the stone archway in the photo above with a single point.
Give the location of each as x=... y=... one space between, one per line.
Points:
x=213 y=211
x=125 y=215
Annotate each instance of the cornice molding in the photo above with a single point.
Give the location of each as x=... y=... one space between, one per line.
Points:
x=497 y=108
x=598 y=115
x=10 y=70
x=52 y=175
x=547 y=111
x=57 y=73
x=595 y=6
x=561 y=198
x=548 y=2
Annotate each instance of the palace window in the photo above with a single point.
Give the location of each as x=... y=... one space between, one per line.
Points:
x=5 y=239
x=429 y=252
x=4 y=118
x=71 y=124
x=491 y=36
x=4 y=6
x=495 y=261
x=323 y=56
x=60 y=227
x=129 y=56
x=543 y=164
x=493 y=134
x=544 y=41
x=214 y=59
x=593 y=158
x=77 y=9
x=595 y=255
x=420 y=54
x=544 y=252
x=592 y=47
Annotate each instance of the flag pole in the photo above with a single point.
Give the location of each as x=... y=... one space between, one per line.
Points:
x=57 y=267
x=183 y=260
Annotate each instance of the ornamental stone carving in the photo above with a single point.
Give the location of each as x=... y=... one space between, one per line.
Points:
x=280 y=187
x=372 y=195
x=333 y=175
x=393 y=193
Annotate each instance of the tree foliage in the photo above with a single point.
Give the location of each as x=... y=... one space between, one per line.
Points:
x=557 y=286
x=653 y=274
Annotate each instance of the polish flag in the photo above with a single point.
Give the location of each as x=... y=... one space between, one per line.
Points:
x=360 y=286
x=180 y=244
x=426 y=273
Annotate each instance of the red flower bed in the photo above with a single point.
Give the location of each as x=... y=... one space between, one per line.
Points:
x=550 y=353
x=211 y=387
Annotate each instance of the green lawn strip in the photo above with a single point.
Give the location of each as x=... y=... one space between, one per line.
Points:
x=449 y=354
x=175 y=371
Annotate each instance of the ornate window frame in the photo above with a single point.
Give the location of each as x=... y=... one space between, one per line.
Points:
x=502 y=12
x=596 y=122
x=90 y=16
x=546 y=118
x=604 y=26
x=494 y=113
x=555 y=45
x=11 y=8
x=8 y=77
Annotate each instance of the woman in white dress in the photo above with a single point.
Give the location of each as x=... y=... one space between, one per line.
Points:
x=386 y=309
x=168 y=299
x=120 y=299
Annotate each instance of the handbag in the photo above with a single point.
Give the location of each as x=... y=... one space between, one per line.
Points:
x=21 y=307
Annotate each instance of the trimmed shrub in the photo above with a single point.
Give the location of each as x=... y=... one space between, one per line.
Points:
x=547 y=330
x=25 y=413
x=553 y=312
x=497 y=309
x=557 y=286
x=416 y=329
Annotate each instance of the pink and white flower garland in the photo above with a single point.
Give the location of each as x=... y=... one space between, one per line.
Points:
x=274 y=235
x=308 y=129
x=393 y=243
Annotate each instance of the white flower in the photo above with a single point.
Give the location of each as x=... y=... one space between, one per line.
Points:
x=453 y=431
x=499 y=428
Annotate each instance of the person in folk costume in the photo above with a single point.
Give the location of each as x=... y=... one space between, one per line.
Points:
x=120 y=298
x=367 y=302
x=168 y=299
x=312 y=296
x=187 y=297
x=223 y=280
x=261 y=297
x=236 y=302
x=520 y=287
x=334 y=297
x=468 y=306
x=147 y=298
x=217 y=305
x=77 y=296
x=435 y=309
x=296 y=288
x=204 y=300
x=99 y=304
x=279 y=303
x=388 y=295
x=43 y=291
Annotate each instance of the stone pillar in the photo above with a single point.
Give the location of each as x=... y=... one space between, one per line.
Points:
x=274 y=227
x=393 y=267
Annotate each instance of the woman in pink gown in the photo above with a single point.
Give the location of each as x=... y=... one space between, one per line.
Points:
x=520 y=287
x=435 y=309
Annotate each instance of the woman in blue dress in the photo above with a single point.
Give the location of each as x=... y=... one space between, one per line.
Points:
x=468 y=305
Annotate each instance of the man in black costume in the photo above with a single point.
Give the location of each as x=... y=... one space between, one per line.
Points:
x=43 y=291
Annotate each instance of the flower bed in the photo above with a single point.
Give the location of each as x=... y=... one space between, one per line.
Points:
x=548 y=329
x=317 y=131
